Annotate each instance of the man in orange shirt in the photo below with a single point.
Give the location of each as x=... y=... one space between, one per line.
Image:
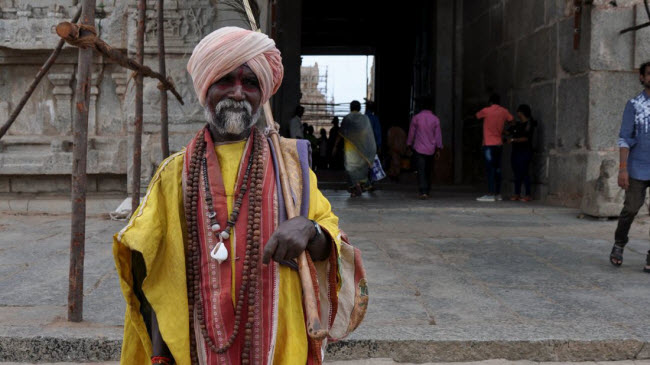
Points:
x=494 y=118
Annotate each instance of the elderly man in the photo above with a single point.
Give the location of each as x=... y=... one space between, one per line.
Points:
x=206 y=263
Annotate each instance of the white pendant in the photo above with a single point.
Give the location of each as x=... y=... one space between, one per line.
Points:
x=224 y=235
x=219 y=252
x=215 y=227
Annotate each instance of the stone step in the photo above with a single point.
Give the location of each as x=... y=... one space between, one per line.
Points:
x=93 y=349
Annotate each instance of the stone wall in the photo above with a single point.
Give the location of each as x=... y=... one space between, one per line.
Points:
x=523 y=50
x=36 y=155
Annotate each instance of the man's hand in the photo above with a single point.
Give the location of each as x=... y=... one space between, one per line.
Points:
x=623 y=179
x=289 y=240
x=437 y=155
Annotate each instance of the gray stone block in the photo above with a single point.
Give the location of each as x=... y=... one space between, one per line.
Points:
x=554 y=10
x=496 y=26
x=491 y=78
x=536 y=57
x=522 y=18
x=38 y=184
x=602 y=195
x=608 y=94
x=567 y=173
x=543 y=105
x=109 y=183
x=506 y=66
x=476 y=9
x=641 y=39
x=574 y=61
x=573 y=109
x=115 y=24
x=644 y=353
x=609 y=49
x=4 y=184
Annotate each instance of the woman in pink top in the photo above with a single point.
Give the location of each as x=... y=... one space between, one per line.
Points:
x=494 y=118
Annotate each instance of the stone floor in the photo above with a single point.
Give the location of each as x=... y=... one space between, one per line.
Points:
x=451 y=279
x=390 y=362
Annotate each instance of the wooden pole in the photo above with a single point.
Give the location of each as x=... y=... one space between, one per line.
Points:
x=164 y=117
x=314 y=328
x=137 y=130
x=41 y=73
x=79 y=154
x=84 y=37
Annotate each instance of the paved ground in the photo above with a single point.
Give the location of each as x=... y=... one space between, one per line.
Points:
x=450 y=279
x=390 y=362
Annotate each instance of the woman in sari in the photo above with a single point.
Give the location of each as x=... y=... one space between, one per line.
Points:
x=359 y=147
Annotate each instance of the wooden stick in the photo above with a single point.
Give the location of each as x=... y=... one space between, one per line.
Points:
x=314 y=328
x=79 y=177
x=164 y=116
x=42 y=72
x=139 y=101
x=82 y=37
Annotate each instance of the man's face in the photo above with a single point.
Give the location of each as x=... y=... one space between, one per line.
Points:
x=233 y=102
x=645 y=78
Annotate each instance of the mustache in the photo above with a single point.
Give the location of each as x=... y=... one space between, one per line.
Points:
x=233 y=104
x=231 y=117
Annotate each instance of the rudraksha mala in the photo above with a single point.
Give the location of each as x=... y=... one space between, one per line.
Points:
x=247 y=291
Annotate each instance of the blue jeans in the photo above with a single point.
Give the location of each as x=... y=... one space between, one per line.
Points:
x=492 y=155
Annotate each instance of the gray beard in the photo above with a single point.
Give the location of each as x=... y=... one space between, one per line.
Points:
x=231 y=117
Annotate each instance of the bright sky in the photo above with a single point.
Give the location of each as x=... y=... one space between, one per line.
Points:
x=347 y=75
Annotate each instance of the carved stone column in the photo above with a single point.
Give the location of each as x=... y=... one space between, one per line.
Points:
x=61 y=77
x=92 y=107
x=120 y=79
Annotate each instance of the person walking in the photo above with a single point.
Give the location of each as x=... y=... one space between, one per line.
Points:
x=295 y=124
x=359 y=147
x=634 y=168
x=425 y=138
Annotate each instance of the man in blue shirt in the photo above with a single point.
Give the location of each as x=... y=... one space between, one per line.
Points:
x=634 y=169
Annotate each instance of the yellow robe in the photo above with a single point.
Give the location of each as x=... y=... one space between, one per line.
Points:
x=157 y=231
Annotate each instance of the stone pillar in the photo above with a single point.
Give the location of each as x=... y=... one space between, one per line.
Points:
x=120 y=79
x=61 y=77
x=444 y=82
x=458 y=92
x=288 y=41
x=92 y=111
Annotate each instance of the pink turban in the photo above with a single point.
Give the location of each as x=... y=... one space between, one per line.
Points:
x=227 y=48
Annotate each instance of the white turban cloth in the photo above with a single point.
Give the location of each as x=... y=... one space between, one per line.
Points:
x=227 y=48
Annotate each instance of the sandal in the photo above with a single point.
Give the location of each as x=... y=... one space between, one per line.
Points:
x=646 y=268
x=355 y=191
x=616 y=257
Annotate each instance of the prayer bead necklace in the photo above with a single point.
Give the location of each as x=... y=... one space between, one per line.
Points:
x=219 y=252
x=248 y=288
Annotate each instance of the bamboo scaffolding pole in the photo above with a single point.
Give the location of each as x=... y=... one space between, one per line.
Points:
x=139 y=101
x=79 y=178
x=164 y=115
x=314 y=328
